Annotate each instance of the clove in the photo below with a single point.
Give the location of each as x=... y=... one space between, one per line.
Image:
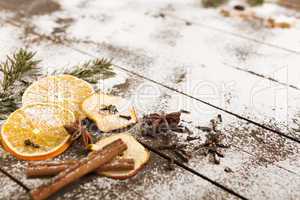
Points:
x=28 y=142
x=228 y=170
x=190 y=138
x=170 y=165
x=185 y=111
x=204 y=128
x=112 y=109
x=125 y=117
x=182 y=155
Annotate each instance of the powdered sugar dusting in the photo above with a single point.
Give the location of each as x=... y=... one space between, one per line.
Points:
x=166 y=40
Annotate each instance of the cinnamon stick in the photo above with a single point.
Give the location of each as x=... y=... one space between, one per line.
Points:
x=33 y=172
x=118 y=165
x=83 y=167
x=52 y=168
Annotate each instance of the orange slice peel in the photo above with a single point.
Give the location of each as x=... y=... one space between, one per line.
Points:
x=64 y=90
x=36 y=131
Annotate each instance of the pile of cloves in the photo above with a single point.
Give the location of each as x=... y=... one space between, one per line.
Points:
x=155 y=124
x=213 y=144
x=161 y=126
x=178 y=151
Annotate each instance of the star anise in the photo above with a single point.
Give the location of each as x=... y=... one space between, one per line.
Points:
x=214 y=142
x=213 y=146
x=77 y=130
x=157 y=123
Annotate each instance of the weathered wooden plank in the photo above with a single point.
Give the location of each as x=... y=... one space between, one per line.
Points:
x=134 y=45
x=244 y=164
x=231 y=49
x=92 y=187
x=154 y=182
x=244 y=90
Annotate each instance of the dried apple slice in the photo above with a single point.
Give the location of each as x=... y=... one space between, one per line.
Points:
x=134 y=151
x=109 y=112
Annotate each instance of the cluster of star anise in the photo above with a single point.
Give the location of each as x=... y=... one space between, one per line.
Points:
x=78 y=130
x=155 y=123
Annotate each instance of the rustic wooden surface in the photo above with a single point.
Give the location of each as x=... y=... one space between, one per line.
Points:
x=242 y=67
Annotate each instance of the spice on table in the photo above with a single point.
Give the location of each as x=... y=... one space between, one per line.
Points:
x=188 y=122
x=171 y=146
x=111 y=109
x=28 y=142
x=188 y=130
x=83 y=167
x=213 y=144
x=188 y=23
x=160 y=123
x=204 y=128
x=40 y=169
x=52 y=168
x=78 y=130
x=125 y=117
x=118 y=165
x=190 y=138
x=220 y=118
x=185 y=111
x=178 y=151
x=239 y=7
x=170 y=165
x=154 y=124
x=228 y=170
x=182 y=155
x=162 y=15
x=179 y=130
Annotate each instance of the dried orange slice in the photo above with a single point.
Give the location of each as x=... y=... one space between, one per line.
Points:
x=64 y=90
x=36 y=132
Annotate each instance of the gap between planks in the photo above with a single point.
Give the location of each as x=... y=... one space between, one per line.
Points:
x=174 y=90
x=220 y=29
x=216 y=29
x=86 y=53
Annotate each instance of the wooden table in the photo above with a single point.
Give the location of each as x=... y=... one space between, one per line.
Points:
x=172 y=55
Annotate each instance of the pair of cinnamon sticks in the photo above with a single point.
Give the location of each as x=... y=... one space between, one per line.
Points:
x=71 y=171
x=52 y=168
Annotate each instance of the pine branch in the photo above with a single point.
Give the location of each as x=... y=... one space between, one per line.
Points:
x=11 y=100
x=17 y=67
x=13 y=83
x=18 y=72
x=8 y=104
x=92 y=70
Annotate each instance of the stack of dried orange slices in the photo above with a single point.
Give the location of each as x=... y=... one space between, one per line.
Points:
x=36 y=130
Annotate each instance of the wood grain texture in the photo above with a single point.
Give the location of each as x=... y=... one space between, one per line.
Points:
x=244 y=68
